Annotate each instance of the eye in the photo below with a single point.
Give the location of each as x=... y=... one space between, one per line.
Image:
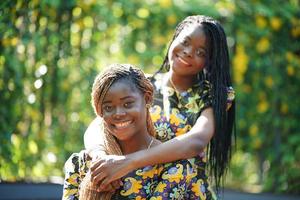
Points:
x=128 y=104
x=107 y=108
x=201 y=53
x=184 y=42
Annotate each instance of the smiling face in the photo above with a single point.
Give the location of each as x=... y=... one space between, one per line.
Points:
x=124 y=110
x=188 y=52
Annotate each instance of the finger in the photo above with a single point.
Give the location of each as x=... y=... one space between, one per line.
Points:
x=96 y=164
x=107 y=188
x=97 y=179
x=115 y=184
x=96 y=171
x=105 y=181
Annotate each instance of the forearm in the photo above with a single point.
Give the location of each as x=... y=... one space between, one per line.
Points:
x=178 y=148
x=182 y=147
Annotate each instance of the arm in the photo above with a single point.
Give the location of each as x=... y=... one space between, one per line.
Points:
x=185 y=146
x=91 y=135
x=182 y=147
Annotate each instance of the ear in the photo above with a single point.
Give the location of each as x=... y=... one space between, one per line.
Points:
x=148 y=98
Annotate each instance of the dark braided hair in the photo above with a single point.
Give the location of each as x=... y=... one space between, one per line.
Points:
x=102 y=83
x=117 y=72
x=217 y=73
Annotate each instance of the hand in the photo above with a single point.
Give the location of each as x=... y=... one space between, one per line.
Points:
x=111 y=187
x=108 y=169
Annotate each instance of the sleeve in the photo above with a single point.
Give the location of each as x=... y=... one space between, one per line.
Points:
x=92 y=136
x=72 y=178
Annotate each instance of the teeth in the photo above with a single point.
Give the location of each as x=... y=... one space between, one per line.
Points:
x=122 y=124
x=183 y=61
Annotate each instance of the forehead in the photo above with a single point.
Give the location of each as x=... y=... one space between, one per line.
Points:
x=192 y=30
x=122 y=86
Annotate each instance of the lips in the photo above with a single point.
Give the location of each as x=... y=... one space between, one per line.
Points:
x=121 y=125
x=181 y=60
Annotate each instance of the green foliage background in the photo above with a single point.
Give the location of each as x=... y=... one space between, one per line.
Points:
x=51 y=50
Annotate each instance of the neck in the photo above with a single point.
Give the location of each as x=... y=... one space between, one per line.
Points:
x=181 y=83
x=136 y=143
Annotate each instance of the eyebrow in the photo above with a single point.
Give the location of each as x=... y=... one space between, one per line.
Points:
x=123 y=98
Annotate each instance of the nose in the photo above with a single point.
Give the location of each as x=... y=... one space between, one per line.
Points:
x=188 y=51
x=119 y=112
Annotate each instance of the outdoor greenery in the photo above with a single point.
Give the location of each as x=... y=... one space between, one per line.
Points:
x=51 y=50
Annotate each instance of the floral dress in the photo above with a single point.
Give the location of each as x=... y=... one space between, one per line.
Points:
x=176 y=180
x=173 y=114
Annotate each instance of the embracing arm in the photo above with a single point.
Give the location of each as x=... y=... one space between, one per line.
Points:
x=182 y=147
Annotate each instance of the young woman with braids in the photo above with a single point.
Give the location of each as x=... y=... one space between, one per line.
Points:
x=193 y=110
x=121 y=96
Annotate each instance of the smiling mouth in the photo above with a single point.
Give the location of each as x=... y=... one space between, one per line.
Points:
x=122 y=124
x=183 y=61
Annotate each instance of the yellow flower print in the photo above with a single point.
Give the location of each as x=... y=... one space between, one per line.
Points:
x=156 y=198
x=192 y=104
x=175 y=117
x=147 y=171
x=174 y=174
x=73 y=179
x=68 y=193
x=191 y=172
x=183 y=130
x=140 y=198
x=199 y=189
x=160 y=187
x=131 y=185
x=155 y=113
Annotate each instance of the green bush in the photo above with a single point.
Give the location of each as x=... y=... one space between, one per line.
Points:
x=50 y=52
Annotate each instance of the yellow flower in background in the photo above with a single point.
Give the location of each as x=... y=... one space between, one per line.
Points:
x=240 y=63
x=257 y=143
x=133 y=59
x=247 y=88
x=253 y=130
x=172 y=19
x=289 y=56
x=263 y=45
x=165 y=3
x=269 y=81
x=284 y=108
x=143 y=13
x=260 y=21
x=263 y=106
x=295 y=31
x=276 y=23
x=290 y=70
